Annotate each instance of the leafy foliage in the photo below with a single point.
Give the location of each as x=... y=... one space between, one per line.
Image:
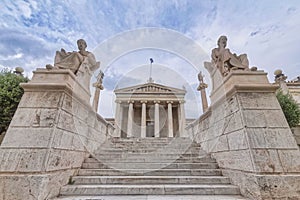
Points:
x=290 y=108
x=10 y=96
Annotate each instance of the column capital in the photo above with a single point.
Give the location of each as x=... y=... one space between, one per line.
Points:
x=202 y=86
x=169 y=102
x=181 y=101
x=130 y=102
x=143 y=101
x=98 y=85
x=156 y=102
x=118 y=101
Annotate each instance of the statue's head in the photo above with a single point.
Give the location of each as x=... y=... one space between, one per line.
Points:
x=81 y=44
x=222 y=41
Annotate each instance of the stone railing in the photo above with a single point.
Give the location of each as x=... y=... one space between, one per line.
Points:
x=53 y=130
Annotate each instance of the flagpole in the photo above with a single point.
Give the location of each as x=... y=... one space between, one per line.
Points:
x=150 y=70
x=150 y=77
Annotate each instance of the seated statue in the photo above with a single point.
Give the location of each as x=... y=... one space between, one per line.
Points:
x=73 y=60
x=82 y=63
x=223 y=59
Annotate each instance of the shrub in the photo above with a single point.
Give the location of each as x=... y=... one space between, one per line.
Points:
x=10 y=96
x=290 y=108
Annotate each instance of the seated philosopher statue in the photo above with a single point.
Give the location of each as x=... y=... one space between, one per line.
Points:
x=74 y=60
x=82 y=63
x=225 y=61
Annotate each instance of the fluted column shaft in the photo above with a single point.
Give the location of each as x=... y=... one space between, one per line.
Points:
x=201 y=88
x=118 y=119
x=143 y=119
x=170 y=119
x=156 y=118
x=130 y=119
x=96 y=99
x=182 y=119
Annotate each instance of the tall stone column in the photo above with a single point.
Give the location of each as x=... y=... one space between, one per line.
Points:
x=98 y=85
x=202 y=86
x=118 y=119
x=170 y=119
x=130 y=119
x=181 y=118
x=156 y=119
x=143 y=119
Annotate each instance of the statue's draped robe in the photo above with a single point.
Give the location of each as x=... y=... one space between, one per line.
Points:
x=225 y=60
x=81 y=65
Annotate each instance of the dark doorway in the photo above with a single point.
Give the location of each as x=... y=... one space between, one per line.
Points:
x=149 y=128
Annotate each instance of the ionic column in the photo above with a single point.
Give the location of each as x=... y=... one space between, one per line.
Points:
x=170 y=118
x=98 y=85
x=143 y=119
x=181 y=118
x=202 y=86
x=118 y=119
x=156 y=119
x=130 y=119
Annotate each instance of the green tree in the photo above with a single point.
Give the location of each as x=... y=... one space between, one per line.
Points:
x=10 y=96
x=290 y=108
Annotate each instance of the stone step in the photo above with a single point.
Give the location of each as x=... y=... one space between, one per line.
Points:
x=131 y=160
x=150 y=165
x=149 y=146
x=154 y=197
x=152 y=141
x=149 y=139
x=174 y=142
x=166 y=155
x=81 y=180
x=150 y=172
x=157 y=189
x=148 y=149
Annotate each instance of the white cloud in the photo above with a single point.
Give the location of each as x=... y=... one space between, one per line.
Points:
x=31 y=31
x=11 y=57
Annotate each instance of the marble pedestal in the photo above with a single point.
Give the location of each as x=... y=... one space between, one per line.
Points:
x=246 y=131
x=52 y=131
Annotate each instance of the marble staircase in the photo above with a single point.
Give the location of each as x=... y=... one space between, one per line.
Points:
x=149 y=166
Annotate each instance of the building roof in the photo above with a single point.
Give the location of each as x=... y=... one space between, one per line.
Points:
x=150 y=88
x=150 y=92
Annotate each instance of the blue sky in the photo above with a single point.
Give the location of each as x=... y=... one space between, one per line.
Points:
x=268 y=31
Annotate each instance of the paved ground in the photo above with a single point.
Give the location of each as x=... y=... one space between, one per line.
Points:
x=157 y=197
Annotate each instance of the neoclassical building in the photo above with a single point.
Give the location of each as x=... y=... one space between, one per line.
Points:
x=149 y=110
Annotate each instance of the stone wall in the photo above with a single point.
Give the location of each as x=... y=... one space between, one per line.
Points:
x=52 y=131
x=296 y=133
x=247 y=133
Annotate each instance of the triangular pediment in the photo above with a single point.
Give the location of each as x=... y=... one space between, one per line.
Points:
x=150 y=88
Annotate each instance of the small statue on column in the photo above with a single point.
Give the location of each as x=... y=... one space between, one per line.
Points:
x=98 y=85
x=202 y=86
